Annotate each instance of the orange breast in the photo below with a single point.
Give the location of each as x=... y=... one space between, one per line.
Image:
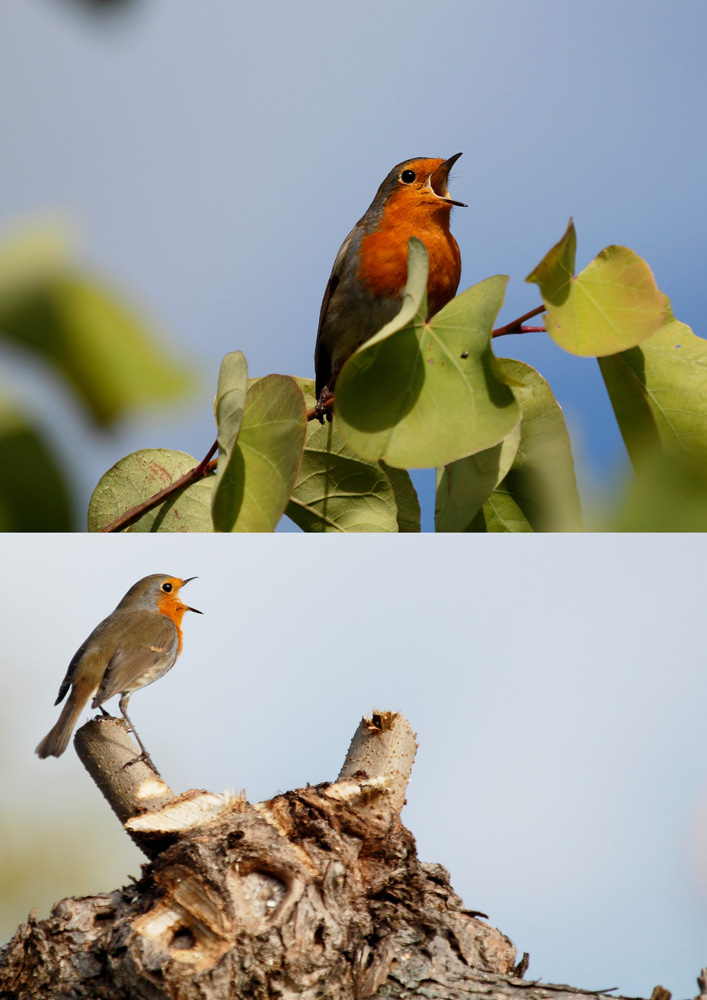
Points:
x=383 y=254
x=171 y=606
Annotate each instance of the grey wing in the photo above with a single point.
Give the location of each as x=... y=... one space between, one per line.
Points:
x=152 y=638
x=322 y=357
x=78 y=655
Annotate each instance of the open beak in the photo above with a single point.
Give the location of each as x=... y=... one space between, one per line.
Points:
x=438 y=181
x=184 y=583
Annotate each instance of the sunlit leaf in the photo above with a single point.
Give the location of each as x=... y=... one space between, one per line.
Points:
x=612 y=305
x=424 y=393
x=659 y=392
x=138 y=477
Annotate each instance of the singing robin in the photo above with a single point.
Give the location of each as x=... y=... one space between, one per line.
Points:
x=132 y=647
x=370 y=271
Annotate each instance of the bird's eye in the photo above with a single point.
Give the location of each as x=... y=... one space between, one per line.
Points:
x=407 y=176
x=167 y=587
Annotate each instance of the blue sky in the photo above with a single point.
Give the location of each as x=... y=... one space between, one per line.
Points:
x=212 y=166
x=557 y=686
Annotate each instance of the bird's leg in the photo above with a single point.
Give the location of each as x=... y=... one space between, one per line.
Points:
x=322 y=409
x=143 y=755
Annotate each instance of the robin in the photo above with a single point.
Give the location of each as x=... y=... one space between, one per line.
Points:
x=370 y=271
x=132 y=647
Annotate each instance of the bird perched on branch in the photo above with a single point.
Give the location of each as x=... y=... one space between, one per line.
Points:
x=370 y=271
x=134 y=646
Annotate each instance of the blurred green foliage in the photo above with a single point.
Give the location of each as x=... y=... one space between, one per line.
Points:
x=94 y=341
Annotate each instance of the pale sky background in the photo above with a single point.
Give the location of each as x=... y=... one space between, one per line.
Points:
x=557 y=686
x=214 y=159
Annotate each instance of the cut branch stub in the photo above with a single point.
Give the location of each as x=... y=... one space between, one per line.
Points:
x=106 y=750
x=382 y=751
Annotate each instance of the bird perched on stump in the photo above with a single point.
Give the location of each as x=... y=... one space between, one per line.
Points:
x=134 y=646
x=368 y=279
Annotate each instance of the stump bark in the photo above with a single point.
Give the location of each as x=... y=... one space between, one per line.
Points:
x=317 y=893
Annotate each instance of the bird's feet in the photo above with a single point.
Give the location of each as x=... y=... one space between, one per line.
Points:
x=325 y=405
x=142 y=757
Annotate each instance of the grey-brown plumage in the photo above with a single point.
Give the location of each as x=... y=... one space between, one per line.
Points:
x=132 y=647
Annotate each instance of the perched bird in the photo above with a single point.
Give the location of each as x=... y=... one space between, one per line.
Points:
x=132 y=647
x=370 y=271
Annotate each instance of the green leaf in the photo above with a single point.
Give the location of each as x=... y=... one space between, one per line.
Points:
x=405 y=497
x=338 y=491
x=264 y=464
x=229 y=407
x=426 y=393
x=34 y=495
x=539 y=493
x=93 y=338
x=612 y=305
x=464 y=486
x=659 y=393
x=138 y=477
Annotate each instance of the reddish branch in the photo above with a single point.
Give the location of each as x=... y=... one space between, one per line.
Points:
x=206 y=465
x=517 y=325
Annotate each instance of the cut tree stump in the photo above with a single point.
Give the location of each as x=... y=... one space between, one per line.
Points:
x=317 y=893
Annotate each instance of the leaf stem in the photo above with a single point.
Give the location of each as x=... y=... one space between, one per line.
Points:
x=517 y=325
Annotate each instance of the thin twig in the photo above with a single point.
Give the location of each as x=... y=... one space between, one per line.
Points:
x=517 y=325
x=205 y=466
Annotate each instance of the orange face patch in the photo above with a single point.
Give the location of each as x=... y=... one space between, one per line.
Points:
x=172 y=605
x=411 y=211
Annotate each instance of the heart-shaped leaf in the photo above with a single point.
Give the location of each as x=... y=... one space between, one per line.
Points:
x=427 y=392
x=612 y=305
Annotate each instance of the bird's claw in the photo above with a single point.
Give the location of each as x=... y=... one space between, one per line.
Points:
x=143 y=757
x=322 y=410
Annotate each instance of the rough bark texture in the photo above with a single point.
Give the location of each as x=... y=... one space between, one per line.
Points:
x=317 y=893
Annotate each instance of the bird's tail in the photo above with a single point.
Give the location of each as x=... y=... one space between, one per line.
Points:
x=57 y=739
